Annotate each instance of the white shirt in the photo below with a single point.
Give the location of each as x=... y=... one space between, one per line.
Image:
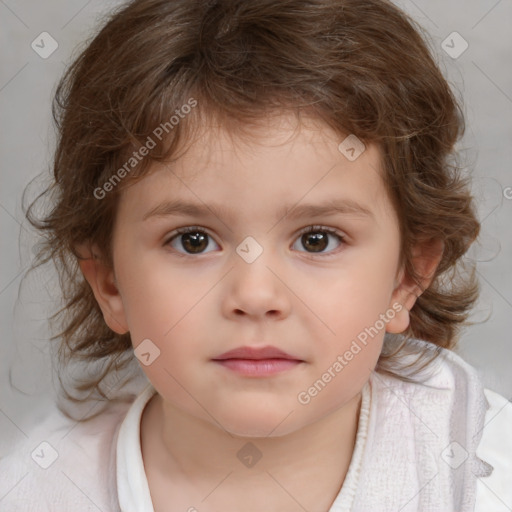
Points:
x=495 y=495
x=97 y=465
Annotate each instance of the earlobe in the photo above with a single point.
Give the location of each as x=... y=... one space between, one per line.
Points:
x=426 y=259
x=102 y=282
x=400 y=321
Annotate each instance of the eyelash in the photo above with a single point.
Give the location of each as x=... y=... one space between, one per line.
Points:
x=309 y=229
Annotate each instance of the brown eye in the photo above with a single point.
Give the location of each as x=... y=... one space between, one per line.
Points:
x=316 y=239
x=192 y=240
x=317 y=242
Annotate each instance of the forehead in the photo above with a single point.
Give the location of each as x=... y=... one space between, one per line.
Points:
x=277 y=162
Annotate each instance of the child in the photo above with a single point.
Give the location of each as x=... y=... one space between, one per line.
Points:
x=257 y=204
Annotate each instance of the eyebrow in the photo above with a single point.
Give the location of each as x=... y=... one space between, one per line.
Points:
x=328 y=208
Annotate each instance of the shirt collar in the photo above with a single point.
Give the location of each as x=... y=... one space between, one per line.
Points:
x=132 y=484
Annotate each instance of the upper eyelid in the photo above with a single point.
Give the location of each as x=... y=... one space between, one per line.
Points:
x=319 y=227
x=310 y=227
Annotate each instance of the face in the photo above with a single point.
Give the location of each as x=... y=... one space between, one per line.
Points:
x=262 y=266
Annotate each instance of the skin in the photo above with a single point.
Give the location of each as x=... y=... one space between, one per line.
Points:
x=312 y=305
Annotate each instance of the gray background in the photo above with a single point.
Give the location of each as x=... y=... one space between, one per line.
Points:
x=482 y=74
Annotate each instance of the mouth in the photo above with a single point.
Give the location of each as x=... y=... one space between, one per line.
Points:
x=257 y=362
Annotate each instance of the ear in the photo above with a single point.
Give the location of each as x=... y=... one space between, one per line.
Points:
x=101 y=278
x=426 y=259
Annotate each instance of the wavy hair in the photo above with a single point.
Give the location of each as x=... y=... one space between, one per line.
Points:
x=361 y=66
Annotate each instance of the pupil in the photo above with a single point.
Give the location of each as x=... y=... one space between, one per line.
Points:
x=196 y=241
x=319 y=241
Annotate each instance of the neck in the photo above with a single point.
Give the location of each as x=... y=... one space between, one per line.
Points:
x=202 y=453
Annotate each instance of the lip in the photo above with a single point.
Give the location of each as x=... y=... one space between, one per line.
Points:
x=254 y=353
x=257 y=362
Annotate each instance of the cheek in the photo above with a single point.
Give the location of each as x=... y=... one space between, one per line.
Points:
x=178 y=340
x=157 y=296
x=170 y=307
x=336 y=386
x=354 y=310
x=352 y=301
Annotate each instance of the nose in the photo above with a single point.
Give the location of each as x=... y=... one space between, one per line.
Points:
x=257 y=290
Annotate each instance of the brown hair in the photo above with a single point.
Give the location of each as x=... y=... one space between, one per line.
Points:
x=361 y=66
